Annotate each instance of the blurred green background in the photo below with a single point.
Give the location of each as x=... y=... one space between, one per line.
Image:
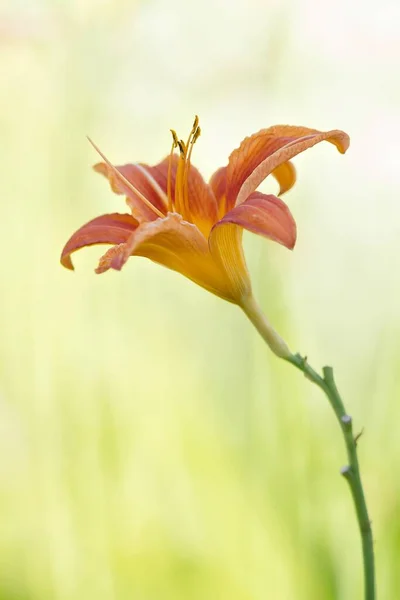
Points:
x=151 y=447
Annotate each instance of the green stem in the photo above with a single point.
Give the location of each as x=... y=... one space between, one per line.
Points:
x=351 y=472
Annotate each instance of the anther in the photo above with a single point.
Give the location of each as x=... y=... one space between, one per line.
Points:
x=196 y=135
x=182 y=147
x=175 y=138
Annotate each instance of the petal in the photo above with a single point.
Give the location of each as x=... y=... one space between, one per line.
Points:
x=265 y=215
x=260 y=154
x=285 y=174
x=176 y=244
x=112 y=254
x=202 y=203
x=107 y=229
x=218 y=186
x=148 y=181
x=160 y=173
x=261 y=214
x=225 y=244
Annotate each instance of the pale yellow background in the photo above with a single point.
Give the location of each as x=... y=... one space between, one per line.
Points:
x=151 y=447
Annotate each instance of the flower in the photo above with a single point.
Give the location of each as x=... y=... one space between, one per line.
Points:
x=193 y=227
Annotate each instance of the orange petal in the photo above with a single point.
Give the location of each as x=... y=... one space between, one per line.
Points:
x=107 y=229
x=285 y=174
x=260 y=154
x=218 y=186
x=160 y=173
x=265 y=215
x=149 y=181
x=202 y=203
x=261 y=214
x=225 y=244
x=112 y=254
x=177 y=245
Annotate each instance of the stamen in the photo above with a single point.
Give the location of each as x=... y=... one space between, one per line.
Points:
x=127 y=183
x=193 y=131
x=196 y=135
x=169 y=181
x=193 y=137
x=179 y=180
x=174 y=137
x=182 y=148
x=182 y=174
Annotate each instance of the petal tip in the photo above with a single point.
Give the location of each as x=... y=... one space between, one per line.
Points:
x=118 y=262
x=288 y=238
x=292 y=241
x=114 y=258
x=101 y=168
x=66 y=261
x=341 y=141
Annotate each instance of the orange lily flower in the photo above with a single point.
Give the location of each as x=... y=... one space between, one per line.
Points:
x=193 y=227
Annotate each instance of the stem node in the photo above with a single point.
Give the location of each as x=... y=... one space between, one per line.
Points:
x=346 y=472
x=347 y=422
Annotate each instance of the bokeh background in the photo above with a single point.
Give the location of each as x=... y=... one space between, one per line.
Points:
x=151 y=447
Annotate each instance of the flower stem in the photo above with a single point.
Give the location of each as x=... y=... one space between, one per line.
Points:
x=350 y=472
x=264 y=327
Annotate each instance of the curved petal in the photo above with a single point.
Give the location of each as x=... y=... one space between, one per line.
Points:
x=265 y=215
x=225 y=243
x=202 y=203
x=260 y=154
x=177 y=245
x=152 y=183
x=112 y=254
x=218 y=186
x=107 y=229
x=285 y=175
x=148 y=181
x=160 y=173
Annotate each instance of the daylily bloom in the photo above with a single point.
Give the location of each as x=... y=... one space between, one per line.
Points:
x=193 y=227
